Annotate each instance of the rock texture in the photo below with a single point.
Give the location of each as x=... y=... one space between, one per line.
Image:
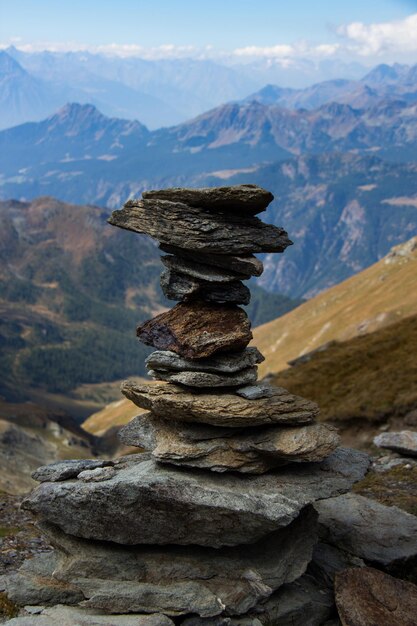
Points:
x=183 y=226
x=230 y=410
x=404 y=442
x=198 y=330
x=368 y=597
x=75 y=616
x=62 y=470
x=202 y=508
x=245 y=264
x=208 y=379
x=180 y=287
x=207 y=273
x=224 y=449
x=223 y=363
x=349 y=522
x=242 y=199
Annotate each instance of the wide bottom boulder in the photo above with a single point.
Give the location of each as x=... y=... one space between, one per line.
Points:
x=174 y=580
x=140 y=501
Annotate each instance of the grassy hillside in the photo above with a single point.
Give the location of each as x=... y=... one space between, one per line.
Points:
x=369 y=378
x=380 y=295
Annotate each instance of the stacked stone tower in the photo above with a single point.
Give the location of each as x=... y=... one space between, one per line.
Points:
x=215 y=524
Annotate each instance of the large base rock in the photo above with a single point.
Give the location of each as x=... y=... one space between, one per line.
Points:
x=178 y=580
x=276 y=406
x=254 y=450
x=74 y=616
x=148 y=503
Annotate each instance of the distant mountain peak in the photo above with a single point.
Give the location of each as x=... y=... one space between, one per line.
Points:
x=9 y=66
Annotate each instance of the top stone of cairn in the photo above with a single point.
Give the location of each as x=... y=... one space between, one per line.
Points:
x=242 y=199
x=218 y=220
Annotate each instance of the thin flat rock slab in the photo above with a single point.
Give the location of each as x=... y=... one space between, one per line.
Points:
x=179 y=580
x=62 y=470
x=219 y=364
x=252 y=451
x=197 y=330
x=150 y=503
x=227 y=409
x=369 y=597
x=404 y=442
x=76 y=616
x=194 y=228
x=199 y=270
x=180 y=287
x=380 y=534
x=203 y=380
x=242 y=199
x=244 y=264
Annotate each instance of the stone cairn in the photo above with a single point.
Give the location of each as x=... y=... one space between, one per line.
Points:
x=214 y=525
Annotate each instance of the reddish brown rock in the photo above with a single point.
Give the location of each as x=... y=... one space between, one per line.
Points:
x=197 y=330
x=368 y=597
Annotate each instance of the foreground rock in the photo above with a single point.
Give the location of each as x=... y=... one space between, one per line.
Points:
x=368 y=597
x=377 y=533
x=208 y=379
x=162 y=504
x=197 y=330
x=174 y=580
x=75 y=616
x=404 y=442
x=242 y=199
x=277 y=406
x=221 y=449
x=194 y=228
x=221 y=363
x=245 y=264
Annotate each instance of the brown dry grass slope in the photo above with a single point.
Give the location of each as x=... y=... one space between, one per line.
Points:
x=380 y=295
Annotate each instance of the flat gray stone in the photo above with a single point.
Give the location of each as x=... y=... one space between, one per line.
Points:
x=208 y=379
x=149 y=503
x=207 y=273
x=226 y=409
x=243 y=199
x=245 y=264
x=253 y=450
x=179 y=580
x=62 y=470
x=183 y=226
x=255 y=392
x=404 y=442
x=176 y=286
x=75 y=616
x=222 y=363
x=370 y=530
x=97 y=474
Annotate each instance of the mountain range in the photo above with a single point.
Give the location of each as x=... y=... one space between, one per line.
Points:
x=72 y=290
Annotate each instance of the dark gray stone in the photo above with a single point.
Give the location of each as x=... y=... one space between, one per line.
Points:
x=62 y=470
x=149 y=503
x=255 y=392
x=242 y=199
x=181 y=287
x=229 y=363
x=193 y=228
x=372 y=531
x=245 y=264
x=76 y=616
x=207 y=273
x=208 y=379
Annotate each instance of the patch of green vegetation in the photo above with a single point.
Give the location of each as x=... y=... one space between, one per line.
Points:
x=396 y=487
x=365 y=378
x=5 y=531
x=7 y=608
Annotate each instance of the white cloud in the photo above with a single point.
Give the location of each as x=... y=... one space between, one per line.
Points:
x=376 y=39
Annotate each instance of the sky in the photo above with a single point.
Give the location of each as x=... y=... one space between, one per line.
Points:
x=373 y=30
